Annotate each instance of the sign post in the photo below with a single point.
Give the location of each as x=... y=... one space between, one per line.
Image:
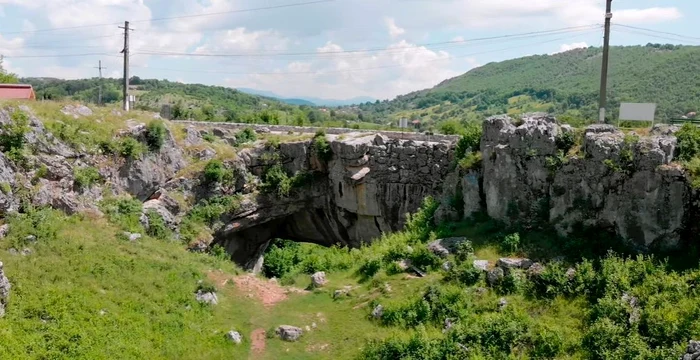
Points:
x=637 y=112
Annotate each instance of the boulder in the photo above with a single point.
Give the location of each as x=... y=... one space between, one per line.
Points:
x=502 y=303
x=4 y=290
x=692 y=352
x=514 y=263
x=76 y=110
x=481 y=264
x=4 y=230
x=404 y=264
x=536 y=269
x=289 y=333
x=345 y=291
x=132 y=236
x=377 y=312
x=494 y=276
x=234 y=336
x=209 y=298
x=318 y=279
x=205 y=154
x=444 y=247
x=26 y=252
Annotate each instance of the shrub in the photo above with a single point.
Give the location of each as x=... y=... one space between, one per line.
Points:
x=86 y=177
x=565 y=141
x=470 y=140
x=155 y=135
x=12 y=136
x=464 y=252
x=156 y=226
x=6 y=188
x=465 y=273
x=472 y=161
x=546 y=344
x=211 y=210
x=321 y=147
x=688 y=142
x=125 y=212
x=370 y=267
x=209 y=138
x=424 y=259
x=276 y=180
x=219 y=252
x=246 y=135
x=214 y=172
x=281 y=258
x=130 y=148
x=511 y=242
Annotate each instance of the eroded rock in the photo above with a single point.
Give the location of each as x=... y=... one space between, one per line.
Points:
x=289 y=333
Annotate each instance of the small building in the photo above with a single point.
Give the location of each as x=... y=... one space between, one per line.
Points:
x=416 y=124
x=17 y=92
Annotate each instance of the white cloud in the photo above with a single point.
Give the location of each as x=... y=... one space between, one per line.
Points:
x=243 y=40
x=647 y=16
x=569 y=47
x=457 y=39
x=400 y=69
x=394 y=30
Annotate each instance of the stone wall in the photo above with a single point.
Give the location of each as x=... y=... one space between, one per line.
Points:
x=311 y=130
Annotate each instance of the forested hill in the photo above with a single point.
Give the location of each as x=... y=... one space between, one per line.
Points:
x=566 y=84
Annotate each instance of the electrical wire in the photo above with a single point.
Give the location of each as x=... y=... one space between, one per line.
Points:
x=321 y=72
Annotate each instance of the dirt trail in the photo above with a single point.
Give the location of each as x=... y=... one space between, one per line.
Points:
x=267 y=291
x=257 y=347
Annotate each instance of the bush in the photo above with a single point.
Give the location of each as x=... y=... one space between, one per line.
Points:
x=130 y=148
x=276 y=180
x=424 y=259
x=125 y=212
x=156 y=226
x=370 y=268
x=470 y=141
x=464 y=252
x=246 y=135
x=465 y=273
x=472 y=161
x=281 y=258
x=209 y=138
x=688 y=142
x=215 y=172
x=210 y=210
x=155 y=135
x=511 y=243
x=12 y=135
x=320 y=146
x=86 y=177
x=546 y=344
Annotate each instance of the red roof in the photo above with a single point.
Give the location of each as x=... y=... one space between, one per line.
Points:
x=17 y=91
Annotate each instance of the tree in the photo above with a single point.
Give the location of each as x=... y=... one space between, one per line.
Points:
x=299 y=118
x=5 y=77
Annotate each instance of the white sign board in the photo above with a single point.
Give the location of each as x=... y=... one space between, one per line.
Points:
x=403 y=123
x=637 y=112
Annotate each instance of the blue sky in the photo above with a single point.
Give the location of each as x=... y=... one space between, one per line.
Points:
x=400 y=34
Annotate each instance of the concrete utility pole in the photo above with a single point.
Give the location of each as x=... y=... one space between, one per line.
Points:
x=126 y=64
x=604 y=71
x=99 y=94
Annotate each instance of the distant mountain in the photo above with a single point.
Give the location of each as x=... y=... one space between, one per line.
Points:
x=310 y=101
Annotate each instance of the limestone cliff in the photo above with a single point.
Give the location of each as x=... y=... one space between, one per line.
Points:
x=534 y=170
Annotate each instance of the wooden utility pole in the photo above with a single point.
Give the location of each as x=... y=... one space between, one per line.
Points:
x=99 y=94
x=126 y=64
x=604 y=70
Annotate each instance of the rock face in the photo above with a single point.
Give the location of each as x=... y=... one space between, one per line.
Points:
x=4 y=290
x=366 y=189
x=619 y=182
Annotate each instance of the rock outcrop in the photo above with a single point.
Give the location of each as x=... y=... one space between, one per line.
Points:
x=4 y=290
x=625 y=183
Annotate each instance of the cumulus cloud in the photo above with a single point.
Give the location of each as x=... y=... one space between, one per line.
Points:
x=402 y=67
x=647 y=16
x=243 y=40
x=394 y=30
x=569 y=47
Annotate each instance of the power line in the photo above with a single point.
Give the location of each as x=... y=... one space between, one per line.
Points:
x=58 y=55
x=658 y=32
x=171 y=18
x=629 y=31
x=353 y=70
x=383 y=49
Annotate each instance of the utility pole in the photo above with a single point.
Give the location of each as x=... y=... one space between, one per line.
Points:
x=604 y=70
x=126 y=64
x=99 y=94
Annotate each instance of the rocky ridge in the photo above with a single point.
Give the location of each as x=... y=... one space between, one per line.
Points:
x=532 y=171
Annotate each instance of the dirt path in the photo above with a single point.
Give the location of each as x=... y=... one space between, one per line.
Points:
x=257 y=347
x=268 y=292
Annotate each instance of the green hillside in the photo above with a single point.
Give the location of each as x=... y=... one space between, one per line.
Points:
x=566 y=84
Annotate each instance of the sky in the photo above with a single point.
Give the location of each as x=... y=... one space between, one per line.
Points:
x=325 y=48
